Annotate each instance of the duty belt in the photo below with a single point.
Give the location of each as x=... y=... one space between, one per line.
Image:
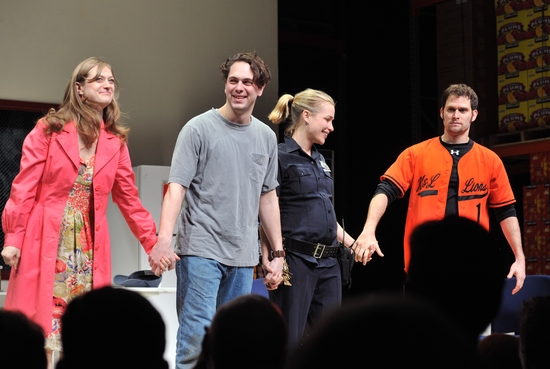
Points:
x=317 y=250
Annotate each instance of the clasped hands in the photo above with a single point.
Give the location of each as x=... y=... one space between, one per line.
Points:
x=273 y=273
x=162 y=258
x=364 y=247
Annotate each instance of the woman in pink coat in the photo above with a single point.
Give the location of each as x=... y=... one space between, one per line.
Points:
x=55 y=222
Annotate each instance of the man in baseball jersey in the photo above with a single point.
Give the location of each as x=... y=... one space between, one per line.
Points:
x=447 y=175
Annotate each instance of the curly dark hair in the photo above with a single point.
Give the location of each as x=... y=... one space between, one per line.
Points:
x=261 y=72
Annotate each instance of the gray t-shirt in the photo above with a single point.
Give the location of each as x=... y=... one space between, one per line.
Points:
x=225 y=168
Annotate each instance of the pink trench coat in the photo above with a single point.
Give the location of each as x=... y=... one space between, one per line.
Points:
x=32 y=216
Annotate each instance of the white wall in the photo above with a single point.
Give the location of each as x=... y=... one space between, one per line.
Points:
x=165 y=53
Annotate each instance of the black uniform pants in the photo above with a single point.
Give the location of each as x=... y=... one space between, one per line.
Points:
x=315 y=289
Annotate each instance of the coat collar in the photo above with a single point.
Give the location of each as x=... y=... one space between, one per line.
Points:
x=107 y=146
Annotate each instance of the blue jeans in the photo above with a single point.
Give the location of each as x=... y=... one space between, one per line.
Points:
x=203 y=286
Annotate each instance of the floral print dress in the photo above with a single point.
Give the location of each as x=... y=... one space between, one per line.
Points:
x=73 y=267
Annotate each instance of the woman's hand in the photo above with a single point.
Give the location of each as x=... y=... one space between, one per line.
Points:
x=11 y=256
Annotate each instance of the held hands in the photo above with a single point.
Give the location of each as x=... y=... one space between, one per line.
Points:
x=273 y=273
x=11 y=255
x=365 y=246
x=162 y=258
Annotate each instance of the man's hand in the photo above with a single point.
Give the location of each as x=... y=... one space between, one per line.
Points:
x=365 y=246
x=162 y=258
x=273 y=273
x=517 y=269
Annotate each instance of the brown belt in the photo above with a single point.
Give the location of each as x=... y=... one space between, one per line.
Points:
x=317 y=250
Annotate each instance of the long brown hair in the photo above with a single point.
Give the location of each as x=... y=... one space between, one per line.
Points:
x=83 y=113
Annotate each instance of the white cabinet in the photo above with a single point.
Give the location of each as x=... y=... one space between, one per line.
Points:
x=128 y=255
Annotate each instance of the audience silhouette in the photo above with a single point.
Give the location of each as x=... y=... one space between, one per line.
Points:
x=384 y=330
x=499 y=351
x=123 y=326
x=534 y=333
x=457 y=265
x=21 y=342
x=247 y=332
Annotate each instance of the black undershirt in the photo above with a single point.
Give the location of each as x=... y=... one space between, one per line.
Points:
x=392 y=192
x=456 y=151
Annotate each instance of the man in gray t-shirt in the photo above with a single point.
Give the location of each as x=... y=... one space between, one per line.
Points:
x=224 y=166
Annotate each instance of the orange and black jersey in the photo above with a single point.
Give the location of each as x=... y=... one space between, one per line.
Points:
x=427 y=170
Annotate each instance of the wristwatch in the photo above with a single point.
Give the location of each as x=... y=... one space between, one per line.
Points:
x=278 y=254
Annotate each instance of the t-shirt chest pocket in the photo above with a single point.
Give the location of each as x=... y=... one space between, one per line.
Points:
x=257 y=167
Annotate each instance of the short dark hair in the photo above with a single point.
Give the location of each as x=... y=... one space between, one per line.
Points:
x=460 y=89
